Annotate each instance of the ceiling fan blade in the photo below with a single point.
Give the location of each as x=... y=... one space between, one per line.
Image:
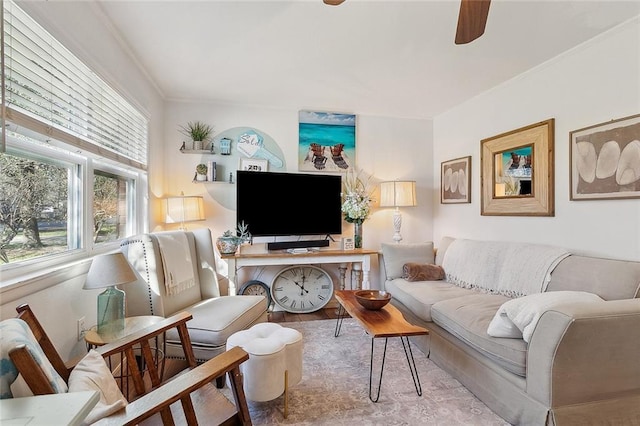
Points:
x=333 y=2
x=472 y=20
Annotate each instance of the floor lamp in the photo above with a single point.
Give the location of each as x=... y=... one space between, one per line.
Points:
x=397 y=194
x=184 y=208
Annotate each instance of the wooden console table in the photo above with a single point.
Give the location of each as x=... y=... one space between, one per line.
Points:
x=282 y=257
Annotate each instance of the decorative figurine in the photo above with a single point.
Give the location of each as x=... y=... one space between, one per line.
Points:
x=225 y=146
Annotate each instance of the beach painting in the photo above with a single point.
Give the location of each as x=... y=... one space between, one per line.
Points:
x=327 y=141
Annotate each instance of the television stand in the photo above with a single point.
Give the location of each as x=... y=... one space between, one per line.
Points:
x=359 y=258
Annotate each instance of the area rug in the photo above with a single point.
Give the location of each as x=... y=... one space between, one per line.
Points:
x=335 y=386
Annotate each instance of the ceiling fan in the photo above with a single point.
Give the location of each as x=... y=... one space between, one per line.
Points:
x=472 y=18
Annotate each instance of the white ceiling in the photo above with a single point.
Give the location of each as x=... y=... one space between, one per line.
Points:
x=390 y=58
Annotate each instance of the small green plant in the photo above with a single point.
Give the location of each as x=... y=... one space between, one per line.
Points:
x=197 y=131
x=202 y=169
x=240 y=235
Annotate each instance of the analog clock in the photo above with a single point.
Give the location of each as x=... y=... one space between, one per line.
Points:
x=256 y=288
x=302 y=288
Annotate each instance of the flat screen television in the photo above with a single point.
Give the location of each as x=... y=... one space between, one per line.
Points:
x=280 y=203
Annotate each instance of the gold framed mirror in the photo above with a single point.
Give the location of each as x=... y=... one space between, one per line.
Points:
x=517 y=172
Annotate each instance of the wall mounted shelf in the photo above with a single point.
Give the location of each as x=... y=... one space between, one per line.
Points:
x=220 y=182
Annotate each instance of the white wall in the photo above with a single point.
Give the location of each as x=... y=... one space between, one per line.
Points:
x=595 y=82
x=387 y=148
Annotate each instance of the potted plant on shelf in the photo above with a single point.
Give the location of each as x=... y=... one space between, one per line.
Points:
x=199 y=133
x=201 y=172
x=229 y=242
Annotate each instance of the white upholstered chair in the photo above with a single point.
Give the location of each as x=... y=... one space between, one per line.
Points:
x=187 y=254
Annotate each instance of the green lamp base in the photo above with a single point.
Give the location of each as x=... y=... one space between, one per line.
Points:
x=111 y=310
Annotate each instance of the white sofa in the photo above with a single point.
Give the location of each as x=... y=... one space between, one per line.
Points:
x=582 y=362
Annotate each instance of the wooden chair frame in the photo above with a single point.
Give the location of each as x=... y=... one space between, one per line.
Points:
x=194 y=388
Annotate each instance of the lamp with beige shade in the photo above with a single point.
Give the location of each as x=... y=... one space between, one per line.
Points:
x=398 y=194
x=184 y=208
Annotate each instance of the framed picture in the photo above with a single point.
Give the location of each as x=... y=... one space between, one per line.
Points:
x=253 y=164
x=326 y=141
x=455 y=181
x=605 y=160
x=516 y=174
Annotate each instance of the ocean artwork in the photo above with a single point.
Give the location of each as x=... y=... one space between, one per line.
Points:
x=327 y=141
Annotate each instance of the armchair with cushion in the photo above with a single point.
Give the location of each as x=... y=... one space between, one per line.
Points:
x=184 y=399
x=179 y=272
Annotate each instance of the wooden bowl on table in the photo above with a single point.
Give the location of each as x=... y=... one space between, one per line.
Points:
x=373 y=299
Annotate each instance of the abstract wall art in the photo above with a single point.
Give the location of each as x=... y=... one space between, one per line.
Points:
x=605 y=160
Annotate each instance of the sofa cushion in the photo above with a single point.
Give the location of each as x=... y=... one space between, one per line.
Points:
x=396 y=255
x=16 y=332
x=524 y=312
x=442 y=249
x=596 y=275
x=214 y=320
x=419 y=296
x=468 y=318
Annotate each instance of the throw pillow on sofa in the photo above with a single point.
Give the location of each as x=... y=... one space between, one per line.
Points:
x=396 y=255
x=523 y=313
x=422 y=272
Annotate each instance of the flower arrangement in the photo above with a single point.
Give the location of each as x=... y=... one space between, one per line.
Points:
x=356 y=197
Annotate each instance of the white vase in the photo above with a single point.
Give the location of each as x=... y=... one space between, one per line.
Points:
x=201 y=178
x=198 y=145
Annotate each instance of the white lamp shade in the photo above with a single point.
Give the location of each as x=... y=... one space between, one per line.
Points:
x=109 y=270
x=398 y=194
x=184 y=209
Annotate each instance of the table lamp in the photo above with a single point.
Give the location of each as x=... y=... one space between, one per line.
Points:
x=397 y=194
x=110 y=270
x=184 y=208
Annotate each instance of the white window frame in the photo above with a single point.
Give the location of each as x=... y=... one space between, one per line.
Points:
x=81 y=200
x=111 y=156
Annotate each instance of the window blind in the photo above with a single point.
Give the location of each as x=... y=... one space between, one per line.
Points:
x=49 y=88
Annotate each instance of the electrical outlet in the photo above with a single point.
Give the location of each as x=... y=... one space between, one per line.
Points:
x=81 y=328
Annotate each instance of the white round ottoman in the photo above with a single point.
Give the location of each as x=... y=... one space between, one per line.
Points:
x=275 y=360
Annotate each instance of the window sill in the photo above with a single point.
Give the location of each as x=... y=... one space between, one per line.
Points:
x=20 y=285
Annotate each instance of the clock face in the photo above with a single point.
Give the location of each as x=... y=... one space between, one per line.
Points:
x=302 y=288
x=256 y=288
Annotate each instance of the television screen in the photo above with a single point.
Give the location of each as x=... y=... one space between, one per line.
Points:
x=279 y=203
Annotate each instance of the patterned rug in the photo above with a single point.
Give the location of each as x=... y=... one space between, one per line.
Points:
x=335 y=381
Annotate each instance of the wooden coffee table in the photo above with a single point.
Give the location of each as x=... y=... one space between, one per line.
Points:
x=385 y=323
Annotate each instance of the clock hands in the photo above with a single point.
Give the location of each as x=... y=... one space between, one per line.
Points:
x=302 y=289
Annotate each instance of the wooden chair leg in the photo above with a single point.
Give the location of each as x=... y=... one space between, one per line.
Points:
x=189 y=412
x=220 y=382
x=286 y=393
x=167 y=417
x=235 y=377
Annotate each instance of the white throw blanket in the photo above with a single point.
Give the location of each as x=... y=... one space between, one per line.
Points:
x=176 y=262
x=510 y=269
